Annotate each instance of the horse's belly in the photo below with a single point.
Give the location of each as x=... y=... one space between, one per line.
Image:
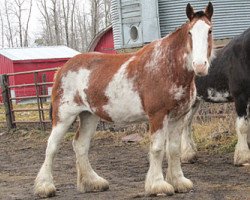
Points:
x=124 y=106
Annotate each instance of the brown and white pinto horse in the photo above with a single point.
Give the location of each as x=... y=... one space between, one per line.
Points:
x=156 y=84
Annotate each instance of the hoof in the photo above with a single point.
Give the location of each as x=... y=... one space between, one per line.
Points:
x=44 y=189
x=189 y=158
x=159 y=188
x=95 y=185
x=182 y=185
x=241 y=158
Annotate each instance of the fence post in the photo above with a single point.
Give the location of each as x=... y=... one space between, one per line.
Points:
x=7 y=102
x=44 y=87
x=39 y=102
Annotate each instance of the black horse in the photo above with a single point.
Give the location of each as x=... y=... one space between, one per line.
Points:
x=228 y=80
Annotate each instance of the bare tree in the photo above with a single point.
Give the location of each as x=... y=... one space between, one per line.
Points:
x=87 y=31
x=82 y=29
x=2 y=28
x=95 y=17
x=27 y=25
x=18 y=10
x=73 y=45
x=62 y=22
x=107 y=18
x=43 y=8
x=55 y=20
x=10 y=35
x=66 y=10
x=100 y=15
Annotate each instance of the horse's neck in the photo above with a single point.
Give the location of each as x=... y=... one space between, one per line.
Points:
x=176 y=50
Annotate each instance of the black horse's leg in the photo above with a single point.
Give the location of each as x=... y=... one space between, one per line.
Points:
x=188 y=147
x=242 y=152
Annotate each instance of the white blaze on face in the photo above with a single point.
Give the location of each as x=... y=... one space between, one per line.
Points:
x=199 y=34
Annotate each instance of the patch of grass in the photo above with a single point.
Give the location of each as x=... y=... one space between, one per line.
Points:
x=24 y=115
x=30 y=115
x=69 y=136
x=213 y=135
x=216 y=135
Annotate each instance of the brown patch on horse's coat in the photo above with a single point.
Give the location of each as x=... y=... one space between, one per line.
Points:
x=100 y=78
x=78 y=99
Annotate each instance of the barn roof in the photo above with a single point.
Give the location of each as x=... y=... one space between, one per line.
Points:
x=48 y=52
x=97 y=38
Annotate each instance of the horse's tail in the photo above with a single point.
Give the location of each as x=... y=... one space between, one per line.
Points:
x=50 y=111
x=50 y=108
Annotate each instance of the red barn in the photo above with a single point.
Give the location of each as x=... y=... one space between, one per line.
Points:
x=29 y=59
x=103 y=41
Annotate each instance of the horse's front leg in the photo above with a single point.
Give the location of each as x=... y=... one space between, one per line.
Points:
x=174 y=173
x=155 y=183
x=242 y=151
x=188 y=146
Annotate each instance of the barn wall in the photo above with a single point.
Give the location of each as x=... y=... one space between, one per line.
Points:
x=231 y=17
x=106 y=43
x=6 y=66
x=29 y=78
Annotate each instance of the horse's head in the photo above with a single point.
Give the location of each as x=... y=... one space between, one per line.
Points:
x=200 y=38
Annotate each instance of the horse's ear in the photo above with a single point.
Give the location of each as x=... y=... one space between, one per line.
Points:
x=189 y=11
x=209 y=11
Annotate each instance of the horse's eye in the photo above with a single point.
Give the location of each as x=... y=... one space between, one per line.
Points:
x=210 y=31
x=189 y=33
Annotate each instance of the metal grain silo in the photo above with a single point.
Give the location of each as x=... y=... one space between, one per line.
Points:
x=141 y=21
x=134 y=22
x=230 y=17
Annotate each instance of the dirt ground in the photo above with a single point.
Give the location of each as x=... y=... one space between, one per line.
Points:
x=124 y=165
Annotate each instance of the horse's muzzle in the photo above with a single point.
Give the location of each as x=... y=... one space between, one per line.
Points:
x=201 y=69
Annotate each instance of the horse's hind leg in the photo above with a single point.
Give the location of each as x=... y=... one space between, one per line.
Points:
x=188 y=147
x=242 y=152
x=87 y=178
x=44 y=186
